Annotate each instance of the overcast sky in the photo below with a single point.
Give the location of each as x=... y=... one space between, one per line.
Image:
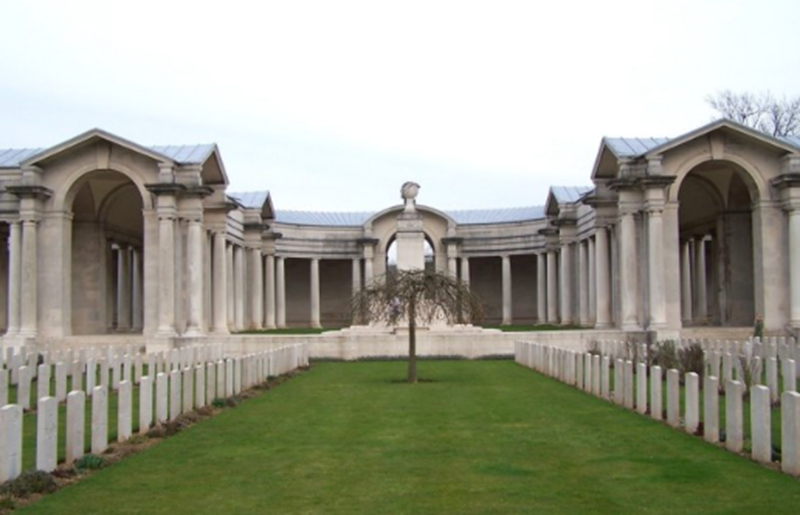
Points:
x=333 y=105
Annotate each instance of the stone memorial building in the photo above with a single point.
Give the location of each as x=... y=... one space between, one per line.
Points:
x=110 y=237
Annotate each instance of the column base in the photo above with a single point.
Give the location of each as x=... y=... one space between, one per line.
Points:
x=194 y=332
x=165 y=332
x=220 y=330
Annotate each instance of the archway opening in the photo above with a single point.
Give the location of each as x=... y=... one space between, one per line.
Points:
x=107 y=254
x=716 y=234
x=428 y=252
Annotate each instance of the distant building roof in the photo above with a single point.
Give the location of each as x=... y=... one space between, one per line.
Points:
x=331 y=218
x=187 y=154
x=466 y=216
x=497 y=216
x=569 y=194
x=12 y=157
x=250 y=199
x=632 y=147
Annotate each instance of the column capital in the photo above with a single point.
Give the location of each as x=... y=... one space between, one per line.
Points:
x=165 y=188
x=28 y=191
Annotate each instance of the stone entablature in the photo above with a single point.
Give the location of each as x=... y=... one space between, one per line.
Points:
x=106 y=236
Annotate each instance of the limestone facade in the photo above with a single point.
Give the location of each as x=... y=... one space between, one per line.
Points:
x=106 y=236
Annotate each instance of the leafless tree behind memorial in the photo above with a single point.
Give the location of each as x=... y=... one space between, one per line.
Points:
x=416 y=297
x=761 y=111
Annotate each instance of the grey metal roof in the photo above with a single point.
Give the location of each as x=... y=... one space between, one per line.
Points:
x=12 y=157
x=631 y=147
x=250 y=199
x=569 y=194
x=465 y=216
x=792 y=140
x=497 y=216
x=339 y=219
x=188 y=154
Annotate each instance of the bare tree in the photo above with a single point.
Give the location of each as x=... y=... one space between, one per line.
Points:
x=414 y=297
x=762 y=111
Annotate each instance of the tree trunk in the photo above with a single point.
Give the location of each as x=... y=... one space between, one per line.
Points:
x=412 y=341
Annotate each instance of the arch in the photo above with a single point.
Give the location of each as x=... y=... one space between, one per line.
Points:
x=64 y=196
x=754 y=178
x=106 y=263
x=715 y=226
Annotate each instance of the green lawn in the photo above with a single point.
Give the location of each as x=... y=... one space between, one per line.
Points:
x=483 y=437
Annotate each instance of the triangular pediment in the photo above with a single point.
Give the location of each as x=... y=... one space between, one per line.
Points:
x=89 y=138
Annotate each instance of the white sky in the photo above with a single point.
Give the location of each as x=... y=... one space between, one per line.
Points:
x=333 y=105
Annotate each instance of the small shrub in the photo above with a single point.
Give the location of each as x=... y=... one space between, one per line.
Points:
x=29 y=482
x=665 y=354
x=690 y=359
x=7 y=503
x=218 y=402
x=89 y=462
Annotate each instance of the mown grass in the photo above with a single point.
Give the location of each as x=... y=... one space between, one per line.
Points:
x=481 y=437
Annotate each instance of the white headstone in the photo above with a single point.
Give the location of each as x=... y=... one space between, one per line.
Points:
x=221 y=382
x=199 y=386
x=790 y=433
x=761 y=424
x=76 y=420
x=24 y=388
x=10 y=442
x=162 y=398
x=99 y=419
x=656 y=397
x=692 y=403
x=734 y=419
x=673 y=398
x=641 y=387
x=188 y=389
x=174 y=394
x=3 y=387
x=61 y=381
x=47 y=434
x=43 y=382
x=124 y=411
x=145 y=404
x=211 y=382
x=711 y=409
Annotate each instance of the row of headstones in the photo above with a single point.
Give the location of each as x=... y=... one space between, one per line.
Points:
x=12 y=359
x=592 y=373
x=779 y=347
x=109 y=369
x=177 y=392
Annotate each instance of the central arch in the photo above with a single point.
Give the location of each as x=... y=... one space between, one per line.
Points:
x=715 y=219
x=107 y=253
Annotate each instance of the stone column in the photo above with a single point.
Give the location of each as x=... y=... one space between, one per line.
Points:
x=686 y=283
x=541 y=287
x=701 y=299
x=603 y=298
x=229 y=283
x=368 y=253
x=794 y=266
x=256 y=289
x=123 y=288
x=565 y=287
x=655 y=260
x=628 y=271
x=280 y=287
x=220 y=273
x=238 y=287
x=465 y=271
x=166 y=262
x=269 y=286
x=507 y=307
x=315 y=320
x=14 y=276
x=356 y=275
x=194 y=265
x=552 y=288
x=137 y=298
x=583 y=283
x=592 y=277
x=29 y=300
